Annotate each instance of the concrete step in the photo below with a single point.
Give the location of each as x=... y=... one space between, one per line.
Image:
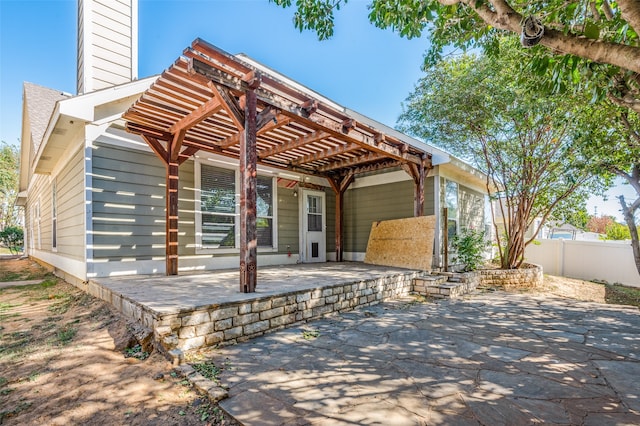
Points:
x=443 y=286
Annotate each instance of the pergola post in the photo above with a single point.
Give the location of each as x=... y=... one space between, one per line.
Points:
x=418 y=172
x=339 y=186
x=171 y=235
x=418 y=198
x=248 y=185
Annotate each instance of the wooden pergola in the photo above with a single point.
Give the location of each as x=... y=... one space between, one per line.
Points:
x=216 y=102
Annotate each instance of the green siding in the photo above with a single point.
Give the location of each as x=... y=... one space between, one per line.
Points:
x=471 y=208
x=128 y=203
x=288 y=218
x=70 y=208
x=363 y=206
x=429 y=202
x=39 y=192
x=331 y=220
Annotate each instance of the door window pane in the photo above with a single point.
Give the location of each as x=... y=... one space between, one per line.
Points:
x=314 y=213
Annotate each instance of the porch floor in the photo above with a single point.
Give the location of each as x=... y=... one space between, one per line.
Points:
x=199 y=309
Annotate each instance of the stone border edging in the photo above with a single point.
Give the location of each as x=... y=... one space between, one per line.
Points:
x=529 y=275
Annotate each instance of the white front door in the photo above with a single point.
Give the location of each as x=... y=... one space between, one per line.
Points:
x=313 y=230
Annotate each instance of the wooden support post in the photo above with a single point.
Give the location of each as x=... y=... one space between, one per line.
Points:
x=445 y=237
x=171 y=239
x=418 y=199
x=339 y=186
x=248 y=185
x=417 y=173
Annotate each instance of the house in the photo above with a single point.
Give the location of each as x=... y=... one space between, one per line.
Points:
x=151 y=176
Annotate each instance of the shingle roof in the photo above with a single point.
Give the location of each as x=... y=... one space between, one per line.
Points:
x=40 y=102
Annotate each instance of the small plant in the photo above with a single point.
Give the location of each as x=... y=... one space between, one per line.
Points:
x=470 y=246
x=208 y=369
x=310 y=334
x=136 y=352
x=66 y=334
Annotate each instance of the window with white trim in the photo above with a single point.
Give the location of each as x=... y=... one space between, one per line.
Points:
x=219 y=209
x=54 y=216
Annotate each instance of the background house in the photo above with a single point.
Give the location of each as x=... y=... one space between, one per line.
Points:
x=94 y=194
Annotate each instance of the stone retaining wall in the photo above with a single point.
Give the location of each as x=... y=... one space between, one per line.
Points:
x=240 y=321
x=528 y=276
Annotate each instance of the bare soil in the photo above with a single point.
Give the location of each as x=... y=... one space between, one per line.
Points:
x=58 y=365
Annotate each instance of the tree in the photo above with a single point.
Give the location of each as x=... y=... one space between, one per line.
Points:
x=9 y=174
x=13 y=238
x=598 y=224
x=616 y=231
x=595 y=39
x=521 y=138
x=613 y=135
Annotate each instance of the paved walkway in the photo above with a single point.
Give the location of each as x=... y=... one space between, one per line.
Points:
x=491 y=359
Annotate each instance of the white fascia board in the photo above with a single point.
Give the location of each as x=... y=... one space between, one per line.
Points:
x=83 y=107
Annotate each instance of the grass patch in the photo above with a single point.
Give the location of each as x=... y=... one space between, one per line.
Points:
x=66 y=334
x=15 y=342
x=4 y=308
x=622 y=295
x=136 y=352
x=17 y=409
x=22 y=275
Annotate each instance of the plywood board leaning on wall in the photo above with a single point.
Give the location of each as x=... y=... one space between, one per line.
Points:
x=405 y=243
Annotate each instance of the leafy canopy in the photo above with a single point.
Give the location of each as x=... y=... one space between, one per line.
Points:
x=521 y=136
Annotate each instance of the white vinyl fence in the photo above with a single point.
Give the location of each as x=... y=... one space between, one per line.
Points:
x=587 y=260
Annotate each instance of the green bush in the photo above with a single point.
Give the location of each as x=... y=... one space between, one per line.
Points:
x=13 y=238
x=470 y=247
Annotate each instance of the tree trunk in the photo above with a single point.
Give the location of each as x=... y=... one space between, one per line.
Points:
x=631 y=224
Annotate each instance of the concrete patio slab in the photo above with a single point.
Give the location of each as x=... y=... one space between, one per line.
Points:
x=491 y=359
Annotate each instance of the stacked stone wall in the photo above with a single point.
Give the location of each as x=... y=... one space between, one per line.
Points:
x=528 y=276
x=240 y=321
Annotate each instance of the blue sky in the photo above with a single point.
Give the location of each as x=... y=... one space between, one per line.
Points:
x=362 y=67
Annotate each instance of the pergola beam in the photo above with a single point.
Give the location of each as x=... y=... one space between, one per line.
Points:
x=297 y=112
x=324 y=154
x=345 y=164
x=199 y=114
x=293 y=144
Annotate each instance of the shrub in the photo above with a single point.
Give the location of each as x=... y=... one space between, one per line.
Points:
x=13 y=238
x=470 y=247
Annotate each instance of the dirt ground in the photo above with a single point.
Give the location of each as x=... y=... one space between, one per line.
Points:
x=58 y=365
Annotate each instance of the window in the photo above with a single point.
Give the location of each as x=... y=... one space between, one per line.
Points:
x=35 y=225
x=219 y=209
x=451 y=203
x=264 y=211
x=54 y=216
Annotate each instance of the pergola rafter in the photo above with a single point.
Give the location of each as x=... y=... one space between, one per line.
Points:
x=211 y=101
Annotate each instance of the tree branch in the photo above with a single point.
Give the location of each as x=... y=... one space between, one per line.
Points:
x=504 y=17
x=630 y=12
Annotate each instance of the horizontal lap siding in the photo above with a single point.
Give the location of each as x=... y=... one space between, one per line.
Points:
x=429 y=199
x=70 y=208
x=363 y=206
x=39 y=192
x=288 y=218
x=128 y=204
